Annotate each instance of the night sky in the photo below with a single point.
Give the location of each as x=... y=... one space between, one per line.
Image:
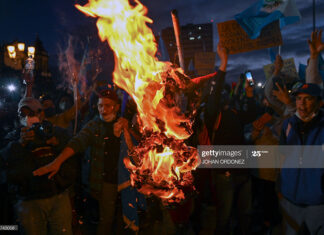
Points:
x=53 y=20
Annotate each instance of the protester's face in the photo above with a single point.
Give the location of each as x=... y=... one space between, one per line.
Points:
x=27 y=117
x=107 y=109
x=306 y=105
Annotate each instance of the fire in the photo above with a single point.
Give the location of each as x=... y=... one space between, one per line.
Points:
x=165 y=167
x=163 y=161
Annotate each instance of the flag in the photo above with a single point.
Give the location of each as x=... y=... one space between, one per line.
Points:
x=162 y=53
x=124 y=103
x=132 y=201
x=263 y=12
x=272 y=55
x=191 y=66
x=302 y=72
x=320 y=63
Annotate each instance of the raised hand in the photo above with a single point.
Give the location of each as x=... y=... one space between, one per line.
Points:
x=120 y=125
x=278 y=65
x=223 y=55
x=315 y=44
x=248 y=88
x=282 y=94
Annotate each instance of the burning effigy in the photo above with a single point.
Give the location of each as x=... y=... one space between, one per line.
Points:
x=161 y=164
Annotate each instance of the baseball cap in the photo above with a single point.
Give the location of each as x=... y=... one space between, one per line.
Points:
x=310 y=89
x=31 y=103
x=110 y=94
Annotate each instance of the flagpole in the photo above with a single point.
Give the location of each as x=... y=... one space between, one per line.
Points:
x=75 y=88
x=314 y=21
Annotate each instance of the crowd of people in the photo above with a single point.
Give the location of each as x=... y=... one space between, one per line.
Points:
x=54 y=181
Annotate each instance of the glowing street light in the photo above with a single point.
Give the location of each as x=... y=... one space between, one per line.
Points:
x=11 y=48
x=21 y=46
x=259 y=84
x=31 y=52
x=11 y=51
x=11 y=87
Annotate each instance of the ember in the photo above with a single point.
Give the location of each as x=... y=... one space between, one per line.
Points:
x=161 y=164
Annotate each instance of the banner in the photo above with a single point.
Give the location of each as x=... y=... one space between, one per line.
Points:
x=205 y=63
x=288 y=70
x=236 y=40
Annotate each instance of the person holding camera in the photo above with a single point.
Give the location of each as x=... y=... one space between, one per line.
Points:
x=42 y=204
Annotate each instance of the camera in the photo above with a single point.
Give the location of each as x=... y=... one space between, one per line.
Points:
x=43 y=131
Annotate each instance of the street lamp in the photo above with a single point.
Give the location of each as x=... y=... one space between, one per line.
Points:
x=31 y=52
x=21 y=46
x=11 y=87
x=11 y=51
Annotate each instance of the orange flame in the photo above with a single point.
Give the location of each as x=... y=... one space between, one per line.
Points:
x=137 y=70
x=143 y=76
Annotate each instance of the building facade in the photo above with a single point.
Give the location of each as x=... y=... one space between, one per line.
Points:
x=194 y=38
x=13 y=61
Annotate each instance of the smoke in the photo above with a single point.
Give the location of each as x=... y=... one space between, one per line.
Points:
x=68 y=65
x=78 y=65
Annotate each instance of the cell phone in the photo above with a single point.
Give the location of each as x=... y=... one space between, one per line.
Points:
x=249 y=77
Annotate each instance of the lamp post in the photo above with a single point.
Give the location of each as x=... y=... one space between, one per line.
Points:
x=31 y=52
x=21 y=46
x=18 y=61
x=11 y=51
x=29 y=66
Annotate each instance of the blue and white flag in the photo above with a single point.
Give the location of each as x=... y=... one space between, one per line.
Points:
x=263 y=12
x=162 y=53
x=272 y=54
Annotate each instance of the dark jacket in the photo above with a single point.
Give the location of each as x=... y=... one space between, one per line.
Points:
x=19 y=162
x=302 y=186
x=230 y=127
x=98 y=135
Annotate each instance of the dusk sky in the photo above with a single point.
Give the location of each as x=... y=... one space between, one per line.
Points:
x=52 y=20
